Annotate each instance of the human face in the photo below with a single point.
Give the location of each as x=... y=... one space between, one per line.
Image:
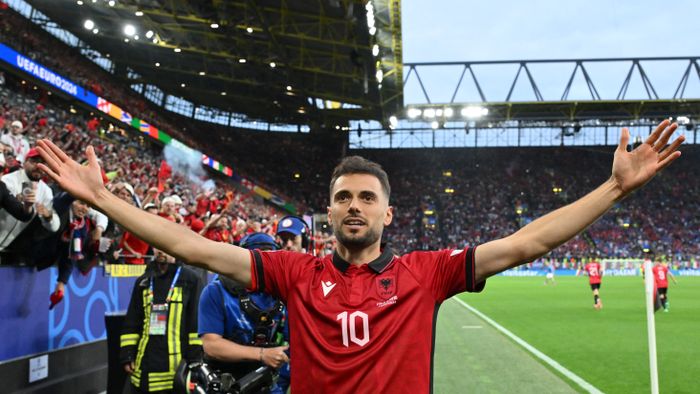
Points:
x=32 y=169
x=16 y=130
x=290 y=241
x=80 y=209
x=359 y=211
x=168 y=208
x=124 y=194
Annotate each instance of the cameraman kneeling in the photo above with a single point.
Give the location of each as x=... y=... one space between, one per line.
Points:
x=242 y=331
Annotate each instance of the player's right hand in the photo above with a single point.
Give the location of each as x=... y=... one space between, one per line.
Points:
x=82 y=182
x=275 y=356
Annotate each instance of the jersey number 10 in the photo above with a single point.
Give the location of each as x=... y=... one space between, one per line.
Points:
x=352 y=320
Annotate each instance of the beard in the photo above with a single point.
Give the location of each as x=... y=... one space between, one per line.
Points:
x=357 y=242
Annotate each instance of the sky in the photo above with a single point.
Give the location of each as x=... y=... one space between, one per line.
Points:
x=451 y=30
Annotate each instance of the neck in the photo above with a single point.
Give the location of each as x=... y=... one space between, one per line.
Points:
x=359 y=256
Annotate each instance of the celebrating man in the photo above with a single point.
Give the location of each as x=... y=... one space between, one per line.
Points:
x=362 y=319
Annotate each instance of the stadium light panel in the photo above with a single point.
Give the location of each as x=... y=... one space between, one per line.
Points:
x=89 y=24
x=138 y=13
x=375 y=50
x=136 y=37
x=95 y=31
x=126 y=40
x=273 y=65
x=223 y=93
x=448 y=112
x=438 y=112
x=413 y=113
x=202 y=73
x=155 y=40
x=393 y=121
x=249 y=30
x=289 y=88
x=111 y=3
x=474 y=112
x=434 y=124
x=149 y=34
x=214 y=25
x=182 y=85
x=429 y=113
x=178 y=50
x=242 y=60
x=129 y=30
x=372 y=31
x=79 y=2
x=157 y=64
x=380 y=75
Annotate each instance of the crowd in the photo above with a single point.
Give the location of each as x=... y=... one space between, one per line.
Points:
x=492 y=193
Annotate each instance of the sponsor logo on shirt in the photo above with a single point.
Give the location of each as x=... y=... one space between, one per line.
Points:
x=390 y=301
x=327 y=287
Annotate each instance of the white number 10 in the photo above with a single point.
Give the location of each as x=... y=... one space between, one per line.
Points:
x=343 y=317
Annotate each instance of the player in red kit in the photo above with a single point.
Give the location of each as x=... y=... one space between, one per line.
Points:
x=595 y=274
x=661 y=275
x=363 y=320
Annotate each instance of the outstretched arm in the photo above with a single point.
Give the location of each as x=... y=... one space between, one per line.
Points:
x=85 y=183
x=631 y=170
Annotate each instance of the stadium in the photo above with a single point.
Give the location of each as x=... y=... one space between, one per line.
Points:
x=228 y=119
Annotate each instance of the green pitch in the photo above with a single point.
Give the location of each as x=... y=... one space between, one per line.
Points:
x=607 y=348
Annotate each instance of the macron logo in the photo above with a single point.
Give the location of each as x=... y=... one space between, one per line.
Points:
x=327 y=287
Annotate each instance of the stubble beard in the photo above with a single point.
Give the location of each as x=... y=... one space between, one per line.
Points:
x=357 y=242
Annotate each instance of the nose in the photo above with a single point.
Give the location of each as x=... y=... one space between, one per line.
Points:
x=289 y=244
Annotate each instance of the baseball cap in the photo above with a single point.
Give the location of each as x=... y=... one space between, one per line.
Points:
x=17 y=123
x=291 y=224
x=149 y=206
x=34 y=152
x=258 y=241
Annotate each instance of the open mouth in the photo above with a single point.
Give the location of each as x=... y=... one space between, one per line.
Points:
x=354 y=223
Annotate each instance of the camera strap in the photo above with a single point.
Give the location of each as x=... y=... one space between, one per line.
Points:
x=265 y=326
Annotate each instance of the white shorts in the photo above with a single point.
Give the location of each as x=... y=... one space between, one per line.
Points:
x=550 y=275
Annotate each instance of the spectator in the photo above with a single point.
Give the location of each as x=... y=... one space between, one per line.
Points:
x=25 y=182
x=16 y=140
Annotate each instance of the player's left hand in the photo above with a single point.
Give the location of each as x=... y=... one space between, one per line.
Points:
x=631 y=170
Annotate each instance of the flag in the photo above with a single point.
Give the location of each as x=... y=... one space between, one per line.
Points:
x=163 y=174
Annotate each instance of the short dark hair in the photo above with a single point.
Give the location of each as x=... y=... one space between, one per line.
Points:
x=360 y=165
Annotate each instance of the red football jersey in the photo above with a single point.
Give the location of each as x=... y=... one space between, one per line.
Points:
x=368 y=328
x=594 y=273
x=660 y=275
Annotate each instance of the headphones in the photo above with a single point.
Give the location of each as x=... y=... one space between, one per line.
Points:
x=306 y=235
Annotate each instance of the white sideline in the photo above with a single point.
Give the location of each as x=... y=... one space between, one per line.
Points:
x=577 y=379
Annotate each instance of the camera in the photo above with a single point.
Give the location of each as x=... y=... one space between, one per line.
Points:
x=199 y=378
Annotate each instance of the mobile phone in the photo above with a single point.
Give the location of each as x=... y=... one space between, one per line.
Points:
x=27 y=188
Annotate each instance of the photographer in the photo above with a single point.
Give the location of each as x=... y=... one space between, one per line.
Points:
x=242 y=331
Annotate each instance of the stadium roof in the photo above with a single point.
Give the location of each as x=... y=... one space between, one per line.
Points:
x=290 y=61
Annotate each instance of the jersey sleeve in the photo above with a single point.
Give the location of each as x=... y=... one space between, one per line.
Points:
x=211 y=311
x=446 y=272
x=276 y=272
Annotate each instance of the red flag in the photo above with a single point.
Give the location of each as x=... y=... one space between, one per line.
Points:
x=164 y=173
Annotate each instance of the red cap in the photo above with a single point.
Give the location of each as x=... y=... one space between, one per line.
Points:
x=34 y=152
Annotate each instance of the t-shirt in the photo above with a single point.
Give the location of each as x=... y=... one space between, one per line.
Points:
x=660 y=275
x=367 y=328
x=594 y=273
x=137 y=245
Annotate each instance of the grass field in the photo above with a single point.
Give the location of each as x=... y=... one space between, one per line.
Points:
x=607 y=348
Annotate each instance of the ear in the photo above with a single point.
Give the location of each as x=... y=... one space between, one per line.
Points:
x=389 y=216
x=328 y=211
